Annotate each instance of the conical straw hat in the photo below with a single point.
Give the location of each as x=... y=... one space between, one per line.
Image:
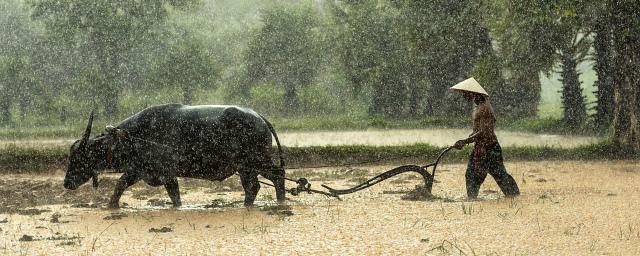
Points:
x=470 y=85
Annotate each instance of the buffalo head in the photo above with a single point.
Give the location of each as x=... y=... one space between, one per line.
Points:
x=89 y=155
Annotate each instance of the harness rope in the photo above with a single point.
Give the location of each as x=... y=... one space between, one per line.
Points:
x=305 y=186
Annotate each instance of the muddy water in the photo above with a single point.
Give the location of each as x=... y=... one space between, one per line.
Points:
x=583 y=208
x=376 y=137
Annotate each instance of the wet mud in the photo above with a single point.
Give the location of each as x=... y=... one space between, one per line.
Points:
x=580 y=208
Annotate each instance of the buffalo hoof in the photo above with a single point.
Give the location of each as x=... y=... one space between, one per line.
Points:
x=177 y=205
x=113 y=205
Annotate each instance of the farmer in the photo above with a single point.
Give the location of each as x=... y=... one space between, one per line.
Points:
x=486 y=156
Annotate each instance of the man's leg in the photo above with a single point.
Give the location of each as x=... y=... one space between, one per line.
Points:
x=495 y=167
x=505 y=181
x=473 y=179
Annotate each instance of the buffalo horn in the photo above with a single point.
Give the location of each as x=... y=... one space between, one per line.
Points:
x=87 y=132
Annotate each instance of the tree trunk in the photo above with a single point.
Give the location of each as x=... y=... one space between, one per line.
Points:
x=626 y=41
x=24 y=105
x=416 y=94
x=187 y=95
x=111 y=105
x=603 y=68
x=575 y=111
x=63 y=114
x=436 y=98
x=291 y=99
x=527 y=86
x=109 y=85
x=5 y=111
x=377 y=102
x=394 y=93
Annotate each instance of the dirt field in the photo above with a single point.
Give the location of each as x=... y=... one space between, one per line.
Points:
x=570 y=208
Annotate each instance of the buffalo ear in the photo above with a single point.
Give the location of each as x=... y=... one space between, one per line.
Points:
x=118 y=133
x=110 y=129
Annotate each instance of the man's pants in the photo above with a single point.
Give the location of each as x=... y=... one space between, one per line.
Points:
x=491 y=162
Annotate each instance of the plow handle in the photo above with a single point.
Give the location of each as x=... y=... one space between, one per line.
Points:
x=435 y=164
x=422 y=170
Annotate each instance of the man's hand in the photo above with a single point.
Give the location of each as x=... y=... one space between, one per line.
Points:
x=459 y=144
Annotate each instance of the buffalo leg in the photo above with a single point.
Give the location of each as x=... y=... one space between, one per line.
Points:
x=173 y=190
x=280 y=190
x=251 y=186
x=126 y=180
x=276 y=175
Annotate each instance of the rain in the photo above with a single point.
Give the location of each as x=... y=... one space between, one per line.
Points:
x=220 y=127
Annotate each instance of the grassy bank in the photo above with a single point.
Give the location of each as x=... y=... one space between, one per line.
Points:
x=424 y=154
x=19 y=159
x=546 y=125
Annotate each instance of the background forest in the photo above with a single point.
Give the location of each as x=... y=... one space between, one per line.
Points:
x=570 y=65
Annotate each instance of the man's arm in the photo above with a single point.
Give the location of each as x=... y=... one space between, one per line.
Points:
x=483 y=127
x=461 y=143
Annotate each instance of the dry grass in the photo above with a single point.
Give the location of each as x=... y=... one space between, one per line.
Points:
x=583 y=208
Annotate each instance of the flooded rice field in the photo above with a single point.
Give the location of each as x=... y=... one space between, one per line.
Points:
x=565 y=208
x=380 y=137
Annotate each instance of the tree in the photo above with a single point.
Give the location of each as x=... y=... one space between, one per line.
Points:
x=373 y=55
x=572 y=43
x=599 y=20
x=17 y=86
x=626 y=79
x=8 y=87
x=186 y=65
x=525 y=43
x=446 y=38
x=108 y=30
x=575 y=111
x=487 y=70
x=14 y=28
x=533 y=37
x=285 y=50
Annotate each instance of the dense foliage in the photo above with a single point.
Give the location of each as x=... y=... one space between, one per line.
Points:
x=285 y=51
x=388 y=58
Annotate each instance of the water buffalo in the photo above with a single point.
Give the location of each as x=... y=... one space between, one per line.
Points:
x=163 y=142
